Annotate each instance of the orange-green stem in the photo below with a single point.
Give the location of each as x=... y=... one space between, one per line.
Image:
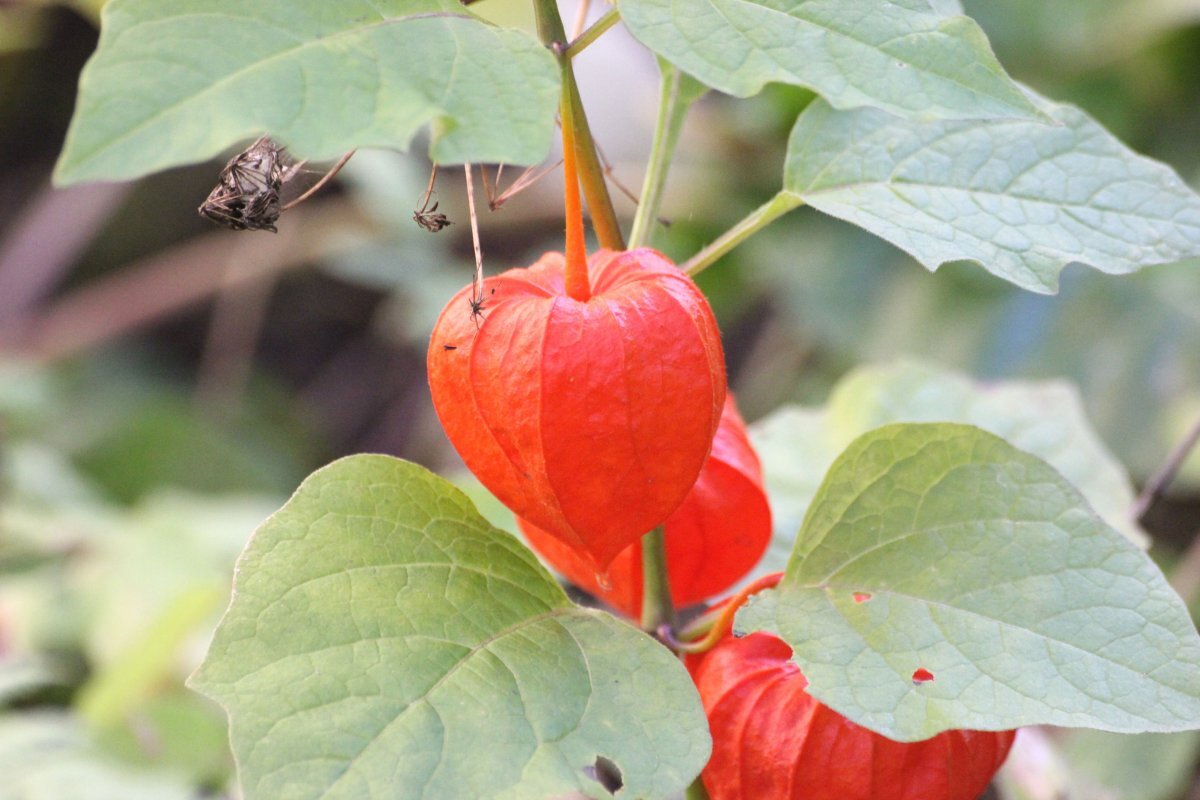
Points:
x=718 y=625
x=591 y=175
x=578 y=287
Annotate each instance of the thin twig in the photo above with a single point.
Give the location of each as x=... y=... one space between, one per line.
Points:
x=429 y=188
x=326 y=178
x=478 y=281
x=523 y=182
x=608 y=173
x=580 y=18
x=580 y=41
x=753 y=222
x=488 y=191
x=1158 y=484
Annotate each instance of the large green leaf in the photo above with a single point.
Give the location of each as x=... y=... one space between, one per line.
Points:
x=385 y=641
x=1046 y=418
x=1022 y=198
x=902 y=56
x=941 y=547
x=172 y=83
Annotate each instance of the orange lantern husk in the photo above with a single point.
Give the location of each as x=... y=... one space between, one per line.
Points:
x=591 y=419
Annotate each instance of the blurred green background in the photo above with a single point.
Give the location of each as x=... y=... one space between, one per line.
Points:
x=165 y=384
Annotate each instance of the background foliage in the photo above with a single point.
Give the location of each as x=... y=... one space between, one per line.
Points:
x=165 y=385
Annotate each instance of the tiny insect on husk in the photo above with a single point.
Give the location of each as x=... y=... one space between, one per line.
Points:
x=246 y=196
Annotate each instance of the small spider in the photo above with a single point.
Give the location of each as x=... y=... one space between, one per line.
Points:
x=428 y=218
x=478 y=304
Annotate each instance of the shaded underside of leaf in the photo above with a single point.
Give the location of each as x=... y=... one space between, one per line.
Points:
x=173 y=83
x=900 y=56
x=941 y=547
x=385 y=641
x=1024 y=199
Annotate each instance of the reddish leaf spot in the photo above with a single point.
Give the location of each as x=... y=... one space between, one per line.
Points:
x=922 y=675
x=861 y=597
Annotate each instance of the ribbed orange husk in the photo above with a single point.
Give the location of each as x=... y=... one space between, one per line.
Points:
x=712 y=540
x=771 y=739
x=590 y=419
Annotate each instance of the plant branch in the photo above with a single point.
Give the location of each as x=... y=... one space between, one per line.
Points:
x=672 y=108
x=1159 y=482
x=704 y=633
x=575 y=250
x=751 y=224
x=591 y=176
x=477 y=281
x=658 y=609
x=581 y=41
x=326 y=178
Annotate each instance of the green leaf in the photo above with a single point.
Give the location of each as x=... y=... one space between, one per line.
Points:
x=985 y=567
x=1046 y=418
x=384 y=640
x=173 y=83
x=1022 y=198
x=900 y=56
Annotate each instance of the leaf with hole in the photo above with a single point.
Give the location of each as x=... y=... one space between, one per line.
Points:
x=998 y=599
x=1023 y=199
x=173 y=83
x=384 y=640
x=901 y=56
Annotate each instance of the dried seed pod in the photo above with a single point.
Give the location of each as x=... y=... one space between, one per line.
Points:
x=246 y=196
x=431 y=219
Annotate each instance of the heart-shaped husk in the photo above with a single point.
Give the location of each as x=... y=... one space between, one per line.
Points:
x=713 y=539
x=590 y=419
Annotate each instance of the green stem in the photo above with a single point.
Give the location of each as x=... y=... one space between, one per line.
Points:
x=610 y=18
x=751 y=224
x=671 y=111
x=696 y=791
x=591 y=176
x=657 y=607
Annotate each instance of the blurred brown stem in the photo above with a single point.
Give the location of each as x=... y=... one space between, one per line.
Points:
x=171 y=281
x=1159 y=482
